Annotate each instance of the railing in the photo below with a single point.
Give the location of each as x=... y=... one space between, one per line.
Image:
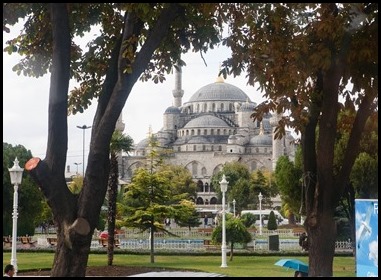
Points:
x=200 y=233
x=293 y=245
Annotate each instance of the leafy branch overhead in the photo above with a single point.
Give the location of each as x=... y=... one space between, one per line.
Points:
x=196 y=28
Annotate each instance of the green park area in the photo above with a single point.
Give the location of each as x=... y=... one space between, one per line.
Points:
x=241 y=266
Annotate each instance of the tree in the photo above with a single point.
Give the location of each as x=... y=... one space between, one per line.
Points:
x=238 y=176
x=272 y=223
x=76 y=184
x=119 y=143
x=29 y=197
x=305 y=57
x=186 y=214
x=181 y=182
x=136 y=40
x=236 y=232
x=150 y=197
x=259 y=185
x=248 y=219
x=288 y=178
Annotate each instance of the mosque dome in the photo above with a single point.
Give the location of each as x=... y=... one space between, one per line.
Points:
x=219 y=91
x=261 y=140
x=142 y=144
x=172 y=110
x=206 y=121
x=247 y=107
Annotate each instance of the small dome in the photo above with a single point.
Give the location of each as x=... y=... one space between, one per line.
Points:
x=261 y=140
x=247 y=107
x=206 y=121
x=142 y=144
x=172 y=110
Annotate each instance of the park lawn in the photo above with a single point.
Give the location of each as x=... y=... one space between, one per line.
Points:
x=241 y=266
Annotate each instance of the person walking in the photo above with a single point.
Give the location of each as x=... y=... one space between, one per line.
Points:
x=9 y=270
x=205 y=221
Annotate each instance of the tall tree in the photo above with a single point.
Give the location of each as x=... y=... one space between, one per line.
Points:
x=150 y=197
x=305 y=57
x=288 y=178
x=136 y=40
x=119 y=143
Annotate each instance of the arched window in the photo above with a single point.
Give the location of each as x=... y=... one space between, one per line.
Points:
x=213 y=200
x=200 y=186
x=194 y=168
x=211 y=187
x=203 y=172
x=200 y=201
x=253 y=165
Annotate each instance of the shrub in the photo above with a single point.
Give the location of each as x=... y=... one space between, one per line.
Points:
x=272 y=224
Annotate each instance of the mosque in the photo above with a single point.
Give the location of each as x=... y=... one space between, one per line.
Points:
x=212 y=128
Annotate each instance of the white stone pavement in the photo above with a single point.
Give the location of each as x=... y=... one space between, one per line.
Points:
x=178 y=274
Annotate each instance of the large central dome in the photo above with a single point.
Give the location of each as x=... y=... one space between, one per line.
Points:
x=219 y=91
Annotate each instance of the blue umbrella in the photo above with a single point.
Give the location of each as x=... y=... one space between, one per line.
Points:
x=294 y=264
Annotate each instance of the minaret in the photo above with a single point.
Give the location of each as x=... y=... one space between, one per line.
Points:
x=178 y=93
x=120 y=124
x=277 y=143
x=220 y=78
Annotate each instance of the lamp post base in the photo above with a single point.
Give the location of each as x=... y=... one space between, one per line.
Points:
x=223 y=251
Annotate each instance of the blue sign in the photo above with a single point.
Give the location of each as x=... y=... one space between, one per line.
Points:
x=366 y=237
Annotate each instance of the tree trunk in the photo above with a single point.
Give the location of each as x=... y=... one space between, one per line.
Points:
x=231 y=250
x=321 y=244
x=112 y=194
x=152 y=246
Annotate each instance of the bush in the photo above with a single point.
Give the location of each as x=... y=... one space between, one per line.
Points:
x=272 y=224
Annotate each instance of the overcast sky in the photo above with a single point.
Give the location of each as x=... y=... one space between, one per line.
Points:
x=25 y=104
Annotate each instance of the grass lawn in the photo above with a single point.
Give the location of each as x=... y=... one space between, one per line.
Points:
x=241 y=266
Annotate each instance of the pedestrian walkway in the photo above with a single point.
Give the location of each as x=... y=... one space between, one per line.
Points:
x=178 y=274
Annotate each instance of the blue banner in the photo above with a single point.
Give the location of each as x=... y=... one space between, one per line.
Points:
x=366 y=237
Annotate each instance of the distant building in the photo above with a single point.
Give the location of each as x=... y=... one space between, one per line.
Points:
x=212 y=128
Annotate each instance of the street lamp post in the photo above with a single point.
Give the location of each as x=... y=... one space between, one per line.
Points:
x=260 y=196
x=224 y=187
x=77 y=163
x=16 y=176
x=234 y=208
x=83 y=127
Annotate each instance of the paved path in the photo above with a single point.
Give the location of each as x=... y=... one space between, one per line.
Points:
x=178 y=274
